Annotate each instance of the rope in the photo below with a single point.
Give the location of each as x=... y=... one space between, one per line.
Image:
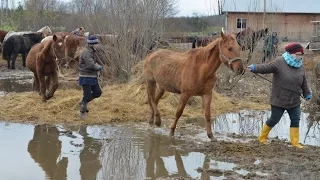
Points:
x=294 y=92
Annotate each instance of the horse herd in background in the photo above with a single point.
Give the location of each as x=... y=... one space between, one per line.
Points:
x=247 y=39
x=190 y=73
x=43 y=51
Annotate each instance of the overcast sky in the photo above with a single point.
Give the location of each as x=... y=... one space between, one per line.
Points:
x=200 y=7
x=209 y=7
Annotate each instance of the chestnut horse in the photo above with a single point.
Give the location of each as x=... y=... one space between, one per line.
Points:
x=2 y=35
x=72 y=42
x=41 y=60
x=191 y=73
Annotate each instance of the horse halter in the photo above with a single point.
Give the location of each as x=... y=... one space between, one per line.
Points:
x=55 y=55
x=230 y=61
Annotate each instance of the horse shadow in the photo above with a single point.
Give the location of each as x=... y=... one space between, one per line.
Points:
x=45 y=149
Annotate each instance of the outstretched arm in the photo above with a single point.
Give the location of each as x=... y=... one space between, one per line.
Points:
x=264 y=68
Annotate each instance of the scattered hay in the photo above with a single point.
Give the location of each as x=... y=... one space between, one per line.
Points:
x=121 y=102
x=125 y=102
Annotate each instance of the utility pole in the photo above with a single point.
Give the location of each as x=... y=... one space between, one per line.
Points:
x=264 y=14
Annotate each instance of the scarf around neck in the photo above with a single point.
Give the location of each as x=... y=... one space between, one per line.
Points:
x=292 y=61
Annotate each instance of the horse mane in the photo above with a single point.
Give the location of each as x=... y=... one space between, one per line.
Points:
x=78 y=52
x=46 y=50
x=204 y=53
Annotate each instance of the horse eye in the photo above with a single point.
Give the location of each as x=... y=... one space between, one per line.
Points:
x=230 y=48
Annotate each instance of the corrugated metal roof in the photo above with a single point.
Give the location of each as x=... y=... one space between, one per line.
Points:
x=287 y=6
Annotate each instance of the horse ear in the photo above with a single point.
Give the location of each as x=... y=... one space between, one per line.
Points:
x=223 y=35
x=54 y=38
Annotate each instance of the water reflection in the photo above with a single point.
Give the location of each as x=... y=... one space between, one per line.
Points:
x=100 y=152
x=45 y=149
x=89 y=156
x=249 y=123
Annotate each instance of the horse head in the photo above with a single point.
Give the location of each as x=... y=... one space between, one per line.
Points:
x=46 y=31
x=58 y=47
x=229 y=52
x=260 y=34
x=81 y=31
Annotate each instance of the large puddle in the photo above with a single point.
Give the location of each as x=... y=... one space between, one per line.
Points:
x=21 y=81
x=129 y=151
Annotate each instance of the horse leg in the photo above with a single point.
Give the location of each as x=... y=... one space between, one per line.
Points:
x=36 y=83
x=13 y=60
x=151 y=88
x=23 y=59
x=53 y=85
x=47 y=80
x=182 y=103
x=159 y=94
x=42 y=87
x=206 y=99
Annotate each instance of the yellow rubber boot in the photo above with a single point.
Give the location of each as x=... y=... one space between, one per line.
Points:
x=294 y=137
x=264 y=134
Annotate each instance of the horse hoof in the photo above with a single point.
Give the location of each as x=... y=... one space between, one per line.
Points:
x=151 y=122
x=48 y=97
x=158 y=123
x=171 y=133
x=212 y=139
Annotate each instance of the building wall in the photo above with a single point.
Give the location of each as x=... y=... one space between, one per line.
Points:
x=296 y=27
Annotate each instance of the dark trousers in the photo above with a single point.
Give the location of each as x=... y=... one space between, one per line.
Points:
x=90 y=93
x=277 y=112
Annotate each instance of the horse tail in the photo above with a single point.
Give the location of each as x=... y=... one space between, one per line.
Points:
x=8 y=47
x=194 y=43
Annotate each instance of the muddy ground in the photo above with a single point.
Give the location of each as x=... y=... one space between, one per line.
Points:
x=277 y=160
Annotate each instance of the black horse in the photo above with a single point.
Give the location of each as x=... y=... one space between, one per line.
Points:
x=249 y=38
x=203 y=41
x=19 y=44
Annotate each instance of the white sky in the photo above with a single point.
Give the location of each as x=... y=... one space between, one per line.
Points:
x=200 y=7
x=189 y=7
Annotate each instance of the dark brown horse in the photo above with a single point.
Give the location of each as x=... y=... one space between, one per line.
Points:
x=2 y=35
x=41 y=60
x=249 y=38
x=191 y=73
x=203 y=41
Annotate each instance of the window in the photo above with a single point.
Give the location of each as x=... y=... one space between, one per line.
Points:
x=241 y=23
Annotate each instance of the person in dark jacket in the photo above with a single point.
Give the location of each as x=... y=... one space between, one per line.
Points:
x=289 y=82
x=88 y=74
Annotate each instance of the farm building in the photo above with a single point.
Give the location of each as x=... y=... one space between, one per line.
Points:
x=293 y=20
x=288 y=25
